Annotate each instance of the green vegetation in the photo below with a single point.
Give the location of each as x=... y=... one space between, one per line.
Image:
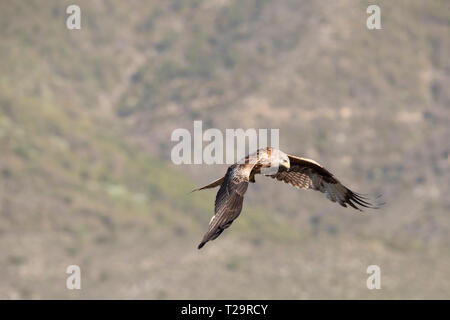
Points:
x=85 y=123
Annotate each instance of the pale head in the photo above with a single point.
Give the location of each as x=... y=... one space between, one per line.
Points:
x=272 y=160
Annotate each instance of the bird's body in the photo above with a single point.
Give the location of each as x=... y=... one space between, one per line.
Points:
x=299 y=172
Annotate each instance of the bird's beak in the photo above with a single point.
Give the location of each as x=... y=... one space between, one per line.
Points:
x=287 y=165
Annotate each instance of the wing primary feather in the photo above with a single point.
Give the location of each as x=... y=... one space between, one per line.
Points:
x=308 y=174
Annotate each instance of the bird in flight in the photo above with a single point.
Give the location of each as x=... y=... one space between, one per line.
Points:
x=299 y=172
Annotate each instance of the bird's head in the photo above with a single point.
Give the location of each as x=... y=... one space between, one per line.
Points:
x=277 y=160
x=284 y=161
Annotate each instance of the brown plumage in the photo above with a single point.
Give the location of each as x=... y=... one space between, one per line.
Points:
x=299 y=172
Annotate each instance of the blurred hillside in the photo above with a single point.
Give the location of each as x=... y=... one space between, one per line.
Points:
x=85 y=170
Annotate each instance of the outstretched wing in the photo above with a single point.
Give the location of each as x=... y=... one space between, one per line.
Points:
x=229 y=201
x=308 y=174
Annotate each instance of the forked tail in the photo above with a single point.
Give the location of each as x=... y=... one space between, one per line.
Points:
x=213 y=184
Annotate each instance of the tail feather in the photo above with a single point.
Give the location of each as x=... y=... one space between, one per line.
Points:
x=213 y=184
